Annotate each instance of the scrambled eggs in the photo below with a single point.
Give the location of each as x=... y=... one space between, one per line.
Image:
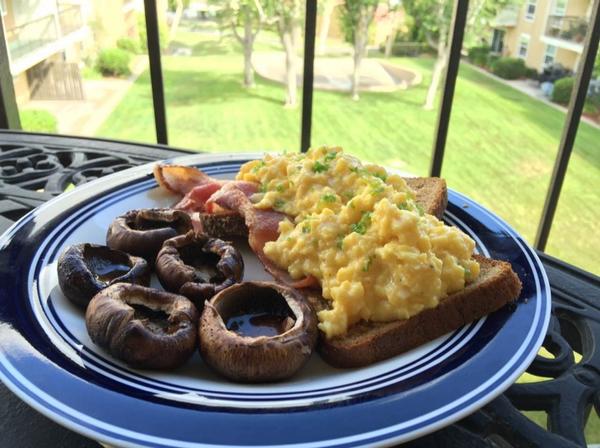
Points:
x=359 y=231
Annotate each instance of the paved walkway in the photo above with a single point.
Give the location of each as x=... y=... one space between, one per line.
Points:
x=334 y=73
x=531 y=88
x=84 y=117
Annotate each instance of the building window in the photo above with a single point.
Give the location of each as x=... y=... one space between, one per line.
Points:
x=523 y=44
x=549 y=55
x=560 y=7
x=530 y=10
x=498 y=41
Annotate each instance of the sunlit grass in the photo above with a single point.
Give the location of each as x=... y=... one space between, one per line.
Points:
x=500 y=150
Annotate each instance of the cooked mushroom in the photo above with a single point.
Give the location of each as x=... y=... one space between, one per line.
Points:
x=142 y=232
x=257 y=332
x=198 y=266
x=85 y=269
x=144 y=327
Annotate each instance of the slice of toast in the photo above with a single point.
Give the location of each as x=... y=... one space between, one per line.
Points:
x=431 y=193
x=369 y=342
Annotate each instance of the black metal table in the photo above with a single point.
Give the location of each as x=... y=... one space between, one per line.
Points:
x=35 y=168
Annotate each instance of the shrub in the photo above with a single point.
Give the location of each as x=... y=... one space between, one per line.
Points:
x=561 y=93
x=38 y=121
x=128 y=44
x=531 y=73
x=492 y=57
x=407 y=48
x=592 y=101
x=113 y=62
x=163 y=34
x=509 y=68
x=479 y=55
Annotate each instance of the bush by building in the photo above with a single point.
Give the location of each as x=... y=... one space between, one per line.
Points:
x=37 y=120
x=408 y=48
x=479 y=55
x=531 y=73
x=114 y=62
x=509 y=68
x=163 y=34
x=561 y=93
x=128 y=44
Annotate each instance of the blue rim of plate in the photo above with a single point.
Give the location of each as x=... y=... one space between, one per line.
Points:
x=49 y=368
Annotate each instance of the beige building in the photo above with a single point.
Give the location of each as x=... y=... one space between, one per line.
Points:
x=542 y=32
x=48 y=40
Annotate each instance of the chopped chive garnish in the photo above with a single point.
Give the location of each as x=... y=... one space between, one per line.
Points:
x=258 y=166
x=330 y=156
x=306 y=228
x=402 y=206
x=319 y=167
x=377 y=189
x=280 y=188
x=279 y=203
x=262 y=188
x=361 y=226
x=382 y=176
x=328 y=197
x=420 y=209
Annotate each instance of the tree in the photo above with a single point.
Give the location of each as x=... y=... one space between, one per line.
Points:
x=395 y=20
x=432 y=18
x=327 y=11
x=178 y=9
x=287 y=17
x=357 y=16
x=244 y=14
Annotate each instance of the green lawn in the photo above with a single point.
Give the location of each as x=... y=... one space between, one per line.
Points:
x=500 y=151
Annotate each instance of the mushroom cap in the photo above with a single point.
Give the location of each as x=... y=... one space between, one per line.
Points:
x=142 y=232
x=113 y=323
x=261 y=358
x=198 y=266
x=84 y=270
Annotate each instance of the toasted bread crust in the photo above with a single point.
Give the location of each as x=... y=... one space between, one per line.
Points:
x=431 y=193
x=369 y=342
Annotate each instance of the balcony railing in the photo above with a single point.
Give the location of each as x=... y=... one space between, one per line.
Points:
x=507 y=17
x=568 y=28
x=31 y=36
x=69 y=18
x=38 y=33
x=9 y=117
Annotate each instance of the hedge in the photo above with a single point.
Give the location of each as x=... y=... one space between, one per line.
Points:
x=37 y=120
x=561 y=93
x=113 y=62
x=509 y=68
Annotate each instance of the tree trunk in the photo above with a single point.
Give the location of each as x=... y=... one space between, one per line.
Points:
x=325 y=24
x=176 y=20
x=360 y=46
x=389 y=43
x=287 y=38
x=436 y=78
x=441 y=61
x=248 y=46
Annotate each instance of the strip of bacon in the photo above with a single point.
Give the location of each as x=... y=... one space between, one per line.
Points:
x=205 y=194
x=263 y=226
x=181 y=179
x=196 y=186
x=195 y=199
